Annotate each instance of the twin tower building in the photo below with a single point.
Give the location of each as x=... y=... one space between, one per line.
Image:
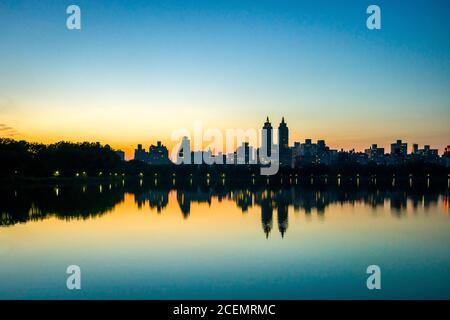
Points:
x=274 y=152
x=268 y=145
x=279 y=151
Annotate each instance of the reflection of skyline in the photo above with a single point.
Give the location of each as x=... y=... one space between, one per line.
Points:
x=83 y=202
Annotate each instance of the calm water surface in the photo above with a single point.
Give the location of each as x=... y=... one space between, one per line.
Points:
x=138 y=240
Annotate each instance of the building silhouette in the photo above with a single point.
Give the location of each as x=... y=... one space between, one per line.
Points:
x=399 y=149
x=156 y=155
x=121 y=154
x=267 y=138
x=285 y=153
x=375 y=154
x=283 y=135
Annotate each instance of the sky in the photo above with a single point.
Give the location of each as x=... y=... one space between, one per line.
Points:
x=139 y=70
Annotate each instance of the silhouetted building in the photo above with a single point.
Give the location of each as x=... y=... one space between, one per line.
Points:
x=140 y=154
x=376 y=154
x=426 y=154
x=446 y=157
x=399 y=149
x=285 y=153
x=121 y=155
x=307 y=153
x=267 y=138
x=283 y=135
x=158 y=154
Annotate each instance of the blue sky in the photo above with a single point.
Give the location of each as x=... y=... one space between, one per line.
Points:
x=139 y=69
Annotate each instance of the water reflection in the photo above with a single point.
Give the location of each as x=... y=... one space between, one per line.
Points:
x=71 y=201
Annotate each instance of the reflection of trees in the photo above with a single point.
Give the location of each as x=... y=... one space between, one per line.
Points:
x=75 y=202
x=82 y=202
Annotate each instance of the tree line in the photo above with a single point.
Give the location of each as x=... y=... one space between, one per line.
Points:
x=22 y=158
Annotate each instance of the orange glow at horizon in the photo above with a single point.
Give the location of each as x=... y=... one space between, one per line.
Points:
x=124 y=131
x=128 y=146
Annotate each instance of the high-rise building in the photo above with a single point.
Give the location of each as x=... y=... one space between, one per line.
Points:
x=267 y=138
x=283 y=135
x=121 y=154
x=140 y=154
x=285 y=153
x=158 y=154
x=375 y=154
x=399 y=149
x=321 y=145
x=446 y=157
x=427 y=154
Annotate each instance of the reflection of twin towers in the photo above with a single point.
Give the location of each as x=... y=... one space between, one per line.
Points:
x=268 y=203
x=245 y=199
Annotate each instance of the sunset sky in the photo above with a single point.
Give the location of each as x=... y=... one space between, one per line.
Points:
x=138 y=70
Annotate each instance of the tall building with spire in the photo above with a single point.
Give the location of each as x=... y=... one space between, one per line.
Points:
x=283 y=135
x=285 y=153
x=267 y=138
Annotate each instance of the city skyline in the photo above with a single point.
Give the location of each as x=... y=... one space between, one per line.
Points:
x=129 y=149
x=165 y=66
x=286 y=154
x=274 y=137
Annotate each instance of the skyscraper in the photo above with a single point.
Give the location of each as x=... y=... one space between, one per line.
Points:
x=267 y=138
x=283 y=135
x=399 y=149
x=140 y=154
x=285 y=154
